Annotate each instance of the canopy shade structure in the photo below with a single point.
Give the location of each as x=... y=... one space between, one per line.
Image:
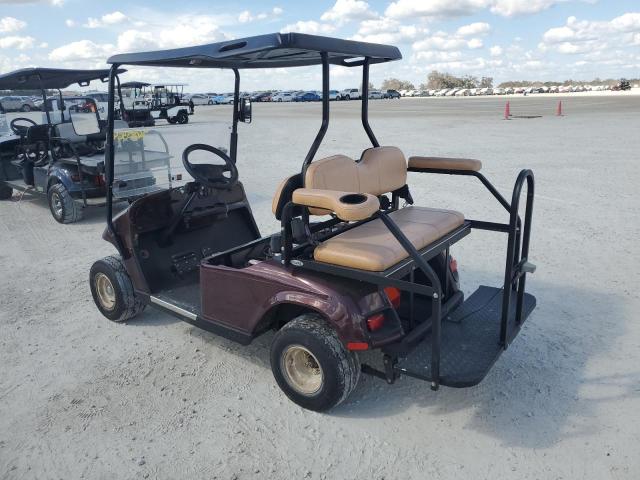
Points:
x=45 y=78
x=134 y=84
x=274 y=50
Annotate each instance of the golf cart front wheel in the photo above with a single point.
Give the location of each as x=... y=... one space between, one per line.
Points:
x=182 y=118
x=62 y=205
x=112 y=290
x=311 y=365
x=6 y=192
x=172 y=120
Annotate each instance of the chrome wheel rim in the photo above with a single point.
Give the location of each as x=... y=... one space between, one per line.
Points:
x=56 y=203
x=302 y=370
x=105 y=292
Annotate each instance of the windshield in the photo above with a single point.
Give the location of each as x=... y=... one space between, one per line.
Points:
x=147 y=160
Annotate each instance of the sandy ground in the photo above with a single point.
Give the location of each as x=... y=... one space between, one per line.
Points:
x=81 y=397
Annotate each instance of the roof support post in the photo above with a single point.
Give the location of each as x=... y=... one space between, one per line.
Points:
x=109 y=158
x=44 y=100
x=365 y=103
x=233 y=146
x=325 y=114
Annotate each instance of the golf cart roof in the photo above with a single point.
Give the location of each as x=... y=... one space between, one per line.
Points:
x=274 y=50
x=44 y=78
x=134 y=84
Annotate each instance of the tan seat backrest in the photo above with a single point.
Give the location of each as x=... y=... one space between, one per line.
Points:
x=380 y=170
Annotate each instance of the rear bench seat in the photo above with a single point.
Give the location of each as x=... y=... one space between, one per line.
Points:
x=371 y=246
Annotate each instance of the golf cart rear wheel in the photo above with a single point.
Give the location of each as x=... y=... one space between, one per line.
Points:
x=112 y=290
x=6 y=192
x=182 y=118
x=172 y=120
x=311 y=364
x=62 y=205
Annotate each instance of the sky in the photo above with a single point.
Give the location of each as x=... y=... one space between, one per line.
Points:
x=503 y=39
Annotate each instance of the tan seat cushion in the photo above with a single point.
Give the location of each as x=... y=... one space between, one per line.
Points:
x=380 y=170
x=445 y=163
x=347 y=206
x=373 y=247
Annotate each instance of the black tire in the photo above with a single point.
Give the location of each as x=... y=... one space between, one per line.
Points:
x=172 y=120
x=125 y=303
x=210 y=102
x=63 y=207
x=348 y=97
x=339 y=368
x=25 y=108
x=182 y=118
x=6 y=192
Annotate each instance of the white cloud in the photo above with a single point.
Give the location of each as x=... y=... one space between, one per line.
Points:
x=246 y=16
x=134 y=40
x=495 y=51
x=510 y=8
x=344 y=11
x=459 y=8
x=477 y=28
x=17 y=42
x=475 y=43
x=80 y=50
x=308 y=26
x=388 y=30
x=583 y=36
x=113 y=18
x=11 y=24
x=70 y=23
x=440 y=42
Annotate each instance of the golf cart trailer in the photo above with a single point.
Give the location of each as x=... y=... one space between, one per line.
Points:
x=62 y=158
x=366 y=274
x=164 y=102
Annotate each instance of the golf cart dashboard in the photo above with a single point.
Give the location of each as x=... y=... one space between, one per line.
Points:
x=189 y=207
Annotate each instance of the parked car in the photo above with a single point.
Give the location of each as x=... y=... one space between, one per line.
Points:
x=283 y=97
x=392 y=94
x=350 y=94
x=334 y=94
x=201 y=99
x=261 y=97
x=375 y=94
x=17 y=104
x=307 y=97
x=223 y=99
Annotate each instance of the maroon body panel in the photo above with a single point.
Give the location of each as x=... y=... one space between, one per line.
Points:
x=241 y=297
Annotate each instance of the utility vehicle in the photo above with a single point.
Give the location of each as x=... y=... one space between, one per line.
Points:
x=163 y=102
x=365 y=274
x=63 y=160
x=135 y=107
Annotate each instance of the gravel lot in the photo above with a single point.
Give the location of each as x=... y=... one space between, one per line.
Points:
x=81 y=397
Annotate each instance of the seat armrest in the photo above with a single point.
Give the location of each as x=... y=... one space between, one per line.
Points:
x=444 y=163
x=348 y=206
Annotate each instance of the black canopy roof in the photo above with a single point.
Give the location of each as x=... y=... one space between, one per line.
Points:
x=273 y=50
x=134 y=84
x=43 y=78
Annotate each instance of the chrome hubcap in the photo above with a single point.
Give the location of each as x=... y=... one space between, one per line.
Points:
x=56 y=202
x=105 y=291
x=302 y=370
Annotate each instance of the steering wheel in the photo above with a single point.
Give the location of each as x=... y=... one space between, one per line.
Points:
x=211 y=175
x=21 y=130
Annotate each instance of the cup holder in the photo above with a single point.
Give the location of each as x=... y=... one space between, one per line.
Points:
x=353 y=198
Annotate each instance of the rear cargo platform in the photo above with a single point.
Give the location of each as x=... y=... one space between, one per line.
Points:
x=470 y=340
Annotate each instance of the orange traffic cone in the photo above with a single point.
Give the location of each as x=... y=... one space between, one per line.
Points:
x=559 y=109
x=507 y=111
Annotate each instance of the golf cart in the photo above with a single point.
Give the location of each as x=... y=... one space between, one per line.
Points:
x=367 y=274
x=63 y=158
x=164 y=101
x=135 y=108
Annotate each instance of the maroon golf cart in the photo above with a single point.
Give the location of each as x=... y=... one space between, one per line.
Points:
x=350 y=268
